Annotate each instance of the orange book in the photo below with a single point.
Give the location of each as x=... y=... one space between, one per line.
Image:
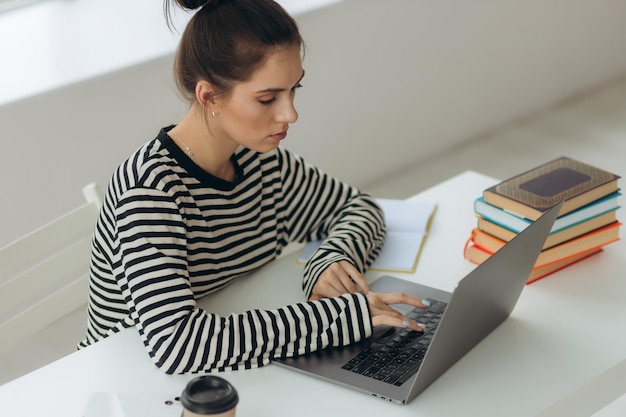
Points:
x=583 y=243
x=477 y=255
x=554 y=238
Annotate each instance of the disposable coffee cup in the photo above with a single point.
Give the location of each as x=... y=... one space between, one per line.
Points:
x=209 y=396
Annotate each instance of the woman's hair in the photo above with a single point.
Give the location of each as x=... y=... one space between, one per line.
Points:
x=226 y=41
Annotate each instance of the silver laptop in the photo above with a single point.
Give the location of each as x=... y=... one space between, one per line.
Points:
x=398 y=364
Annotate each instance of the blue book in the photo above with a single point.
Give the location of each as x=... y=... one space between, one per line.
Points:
x=517 y=223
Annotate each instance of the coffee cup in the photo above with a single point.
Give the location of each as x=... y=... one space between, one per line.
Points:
x=209 y=395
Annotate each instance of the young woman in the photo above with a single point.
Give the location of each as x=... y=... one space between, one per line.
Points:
x=215 y=197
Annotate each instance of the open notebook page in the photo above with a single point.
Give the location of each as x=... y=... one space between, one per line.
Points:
x=407 y=227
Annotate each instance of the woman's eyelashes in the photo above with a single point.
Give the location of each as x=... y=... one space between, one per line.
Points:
x=273 y=99
x=267 y=102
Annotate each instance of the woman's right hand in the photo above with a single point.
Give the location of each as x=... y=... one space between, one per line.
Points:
x=383 y=315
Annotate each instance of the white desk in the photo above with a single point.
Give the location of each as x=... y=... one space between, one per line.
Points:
x=565 y=331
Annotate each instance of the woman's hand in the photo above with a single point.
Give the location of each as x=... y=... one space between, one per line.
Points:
x=339 y=278
x=383 y=315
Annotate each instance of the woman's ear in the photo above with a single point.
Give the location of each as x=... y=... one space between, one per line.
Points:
x=205 y=93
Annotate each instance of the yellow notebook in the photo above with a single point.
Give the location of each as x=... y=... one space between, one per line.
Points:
x=407 y=223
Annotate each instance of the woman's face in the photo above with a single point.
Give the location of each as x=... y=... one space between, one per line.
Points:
x=257 y=113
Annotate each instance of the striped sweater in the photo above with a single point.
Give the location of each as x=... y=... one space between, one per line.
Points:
x=169 y=233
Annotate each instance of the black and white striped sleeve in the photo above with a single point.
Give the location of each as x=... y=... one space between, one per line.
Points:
x=322 y=207
x=152 y=272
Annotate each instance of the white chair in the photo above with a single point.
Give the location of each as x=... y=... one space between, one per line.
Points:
x=43 y=275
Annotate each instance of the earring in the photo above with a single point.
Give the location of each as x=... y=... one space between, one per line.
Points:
x=213 y=114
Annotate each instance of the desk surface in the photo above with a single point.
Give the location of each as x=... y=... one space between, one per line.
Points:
x=564 y=332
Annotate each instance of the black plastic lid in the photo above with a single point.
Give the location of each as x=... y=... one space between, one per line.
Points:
x=209 y=395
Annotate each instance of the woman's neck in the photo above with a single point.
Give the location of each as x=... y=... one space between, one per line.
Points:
x=194 y=137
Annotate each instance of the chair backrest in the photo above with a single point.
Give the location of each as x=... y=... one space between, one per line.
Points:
x=43 y=275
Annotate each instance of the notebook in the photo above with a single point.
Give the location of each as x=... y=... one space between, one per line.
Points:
x=482 y=300
x=408 y=223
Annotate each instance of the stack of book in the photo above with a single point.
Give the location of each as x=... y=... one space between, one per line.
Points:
x=587 y=222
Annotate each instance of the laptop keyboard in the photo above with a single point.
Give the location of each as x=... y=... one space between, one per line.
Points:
x=397 y=355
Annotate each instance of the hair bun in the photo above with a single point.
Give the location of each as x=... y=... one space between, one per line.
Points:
x=196 y=4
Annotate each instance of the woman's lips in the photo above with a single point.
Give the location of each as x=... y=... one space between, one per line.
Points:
x=280 y=135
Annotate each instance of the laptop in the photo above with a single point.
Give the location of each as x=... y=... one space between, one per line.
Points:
x=455 y=323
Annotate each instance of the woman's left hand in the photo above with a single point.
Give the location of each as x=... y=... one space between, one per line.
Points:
x=339 y=278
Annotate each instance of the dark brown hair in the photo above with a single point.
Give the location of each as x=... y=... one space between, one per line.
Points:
x=227 y=40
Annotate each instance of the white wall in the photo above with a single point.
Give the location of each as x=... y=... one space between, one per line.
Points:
x=404 y=79
x=389 y=83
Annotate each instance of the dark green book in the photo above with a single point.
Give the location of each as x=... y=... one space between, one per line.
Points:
x=533 y=192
